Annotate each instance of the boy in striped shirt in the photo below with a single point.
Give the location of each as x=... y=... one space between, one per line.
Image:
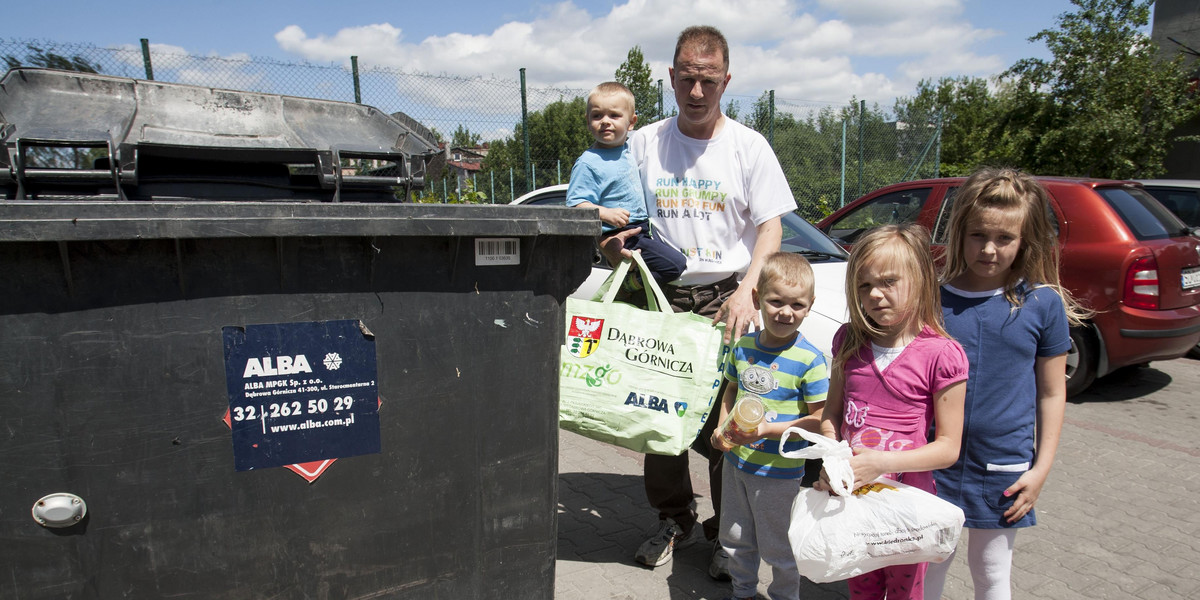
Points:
x=789 y=374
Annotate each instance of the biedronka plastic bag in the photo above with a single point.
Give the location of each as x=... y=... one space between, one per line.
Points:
x=847 y=533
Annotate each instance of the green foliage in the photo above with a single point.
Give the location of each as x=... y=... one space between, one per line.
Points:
x=468 y=195
x=967 y=113
x=732 y=109
x=635 y=74
x=1104 y=105
x=463 y=138
x=759 y=118
x=810 y=151
x=558 y=134
x=37 y=57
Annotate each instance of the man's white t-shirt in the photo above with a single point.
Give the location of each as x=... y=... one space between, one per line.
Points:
x=706 y=197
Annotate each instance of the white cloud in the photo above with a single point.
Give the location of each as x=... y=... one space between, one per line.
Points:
x=379 y=39
x=919 y=38
x=818 y=50
x=174 y=63
x=888 y=11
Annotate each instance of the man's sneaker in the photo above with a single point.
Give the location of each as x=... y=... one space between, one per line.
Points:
x=657 y=550
x=718 y=567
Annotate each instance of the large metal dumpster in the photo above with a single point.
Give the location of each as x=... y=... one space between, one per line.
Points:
x=119 y=316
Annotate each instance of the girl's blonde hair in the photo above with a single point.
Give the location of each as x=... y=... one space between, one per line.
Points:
x=905 y=248
x=1018 y=194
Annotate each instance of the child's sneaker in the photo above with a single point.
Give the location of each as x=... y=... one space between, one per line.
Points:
x=718 y=567
x=633 y=283
x=657 y=550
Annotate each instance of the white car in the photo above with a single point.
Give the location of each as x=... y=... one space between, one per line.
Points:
x=827 y=257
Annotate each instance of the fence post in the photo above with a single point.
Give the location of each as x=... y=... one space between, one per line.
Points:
x=937 y=153
x=558 y=171
x=492 y=177
x=842 y=199
x=525 y=132
x=862 y=109
x=354 y=72
x=660 y=99
x=771 y=121
x=512 y=190
x=146 y=59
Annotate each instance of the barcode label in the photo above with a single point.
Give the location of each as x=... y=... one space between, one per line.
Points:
x=497 y=251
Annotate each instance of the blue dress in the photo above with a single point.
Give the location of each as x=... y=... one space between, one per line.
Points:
x=1002 y=345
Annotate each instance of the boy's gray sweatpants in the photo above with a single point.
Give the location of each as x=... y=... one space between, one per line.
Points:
x=756 y=512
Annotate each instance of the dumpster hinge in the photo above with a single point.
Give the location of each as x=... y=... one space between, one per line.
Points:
x=66 y=262
x=529 y=255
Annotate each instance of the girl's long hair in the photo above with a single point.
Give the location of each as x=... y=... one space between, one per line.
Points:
x=1016 y=193
x=905 y=248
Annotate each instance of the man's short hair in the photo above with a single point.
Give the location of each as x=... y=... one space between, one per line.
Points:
x=703 y=39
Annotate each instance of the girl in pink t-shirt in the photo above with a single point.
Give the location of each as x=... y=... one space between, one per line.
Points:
x=895 y=370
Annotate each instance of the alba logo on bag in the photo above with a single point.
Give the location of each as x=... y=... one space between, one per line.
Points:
x=649 y=402
x=583 y=337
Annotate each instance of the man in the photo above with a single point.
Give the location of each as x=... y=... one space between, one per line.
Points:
x=715 y=192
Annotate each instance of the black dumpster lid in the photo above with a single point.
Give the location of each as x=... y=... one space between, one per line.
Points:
x=175 y=136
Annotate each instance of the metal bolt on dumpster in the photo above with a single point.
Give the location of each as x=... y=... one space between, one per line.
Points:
x=235 y=364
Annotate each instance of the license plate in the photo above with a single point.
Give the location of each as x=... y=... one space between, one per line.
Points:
x=1191 y=278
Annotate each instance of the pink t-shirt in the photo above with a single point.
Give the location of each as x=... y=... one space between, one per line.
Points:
x=893 y=409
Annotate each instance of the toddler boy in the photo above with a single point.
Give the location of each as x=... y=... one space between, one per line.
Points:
x=605 y=177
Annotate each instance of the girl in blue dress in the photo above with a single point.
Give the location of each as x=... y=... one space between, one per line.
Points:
x=1002 y=301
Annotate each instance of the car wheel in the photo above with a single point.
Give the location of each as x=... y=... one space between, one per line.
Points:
x=1081 y=361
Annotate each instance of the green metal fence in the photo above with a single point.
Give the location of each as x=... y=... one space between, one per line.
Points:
x=830 y=153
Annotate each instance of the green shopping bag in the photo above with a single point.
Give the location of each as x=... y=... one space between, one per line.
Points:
x=639 y=379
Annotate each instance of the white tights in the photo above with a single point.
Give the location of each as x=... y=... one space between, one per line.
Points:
x=989 y=555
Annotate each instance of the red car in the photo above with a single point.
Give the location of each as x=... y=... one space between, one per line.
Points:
x=1124 y=256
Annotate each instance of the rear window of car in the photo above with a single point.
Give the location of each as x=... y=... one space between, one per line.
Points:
x=1185 y=203
x=1145 y=217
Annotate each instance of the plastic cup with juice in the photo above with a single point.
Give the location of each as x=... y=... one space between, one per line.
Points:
x=744 y=418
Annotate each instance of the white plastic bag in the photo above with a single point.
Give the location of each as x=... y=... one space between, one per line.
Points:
x=840 y=535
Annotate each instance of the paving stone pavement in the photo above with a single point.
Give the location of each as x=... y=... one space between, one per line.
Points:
x=1119 y=517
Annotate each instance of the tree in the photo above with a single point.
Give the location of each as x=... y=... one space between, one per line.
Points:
x=967 y=112
x=463 y=138
x=635 y=74
x=759 y=118
x=1104 y=105
x=38 y=57
x=870 y=136
x=733 y=109
x=558 y=134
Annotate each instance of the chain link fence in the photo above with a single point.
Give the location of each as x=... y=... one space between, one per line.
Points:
x=504 y=138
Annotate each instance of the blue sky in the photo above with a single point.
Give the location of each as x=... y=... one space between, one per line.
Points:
x=807 y=51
